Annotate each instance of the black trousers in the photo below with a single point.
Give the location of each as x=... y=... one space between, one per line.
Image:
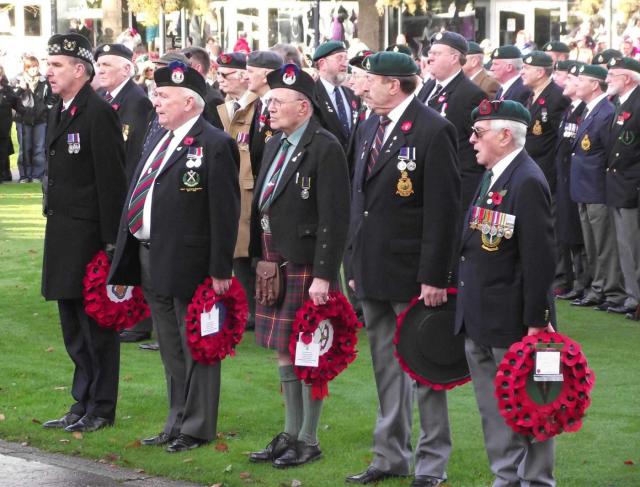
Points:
x=95 y=352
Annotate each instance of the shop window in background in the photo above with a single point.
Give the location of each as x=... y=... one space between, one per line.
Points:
x=32 y=20
x=248 y=26
x=7 y=19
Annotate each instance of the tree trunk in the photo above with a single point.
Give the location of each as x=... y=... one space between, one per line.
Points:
x=369 y=24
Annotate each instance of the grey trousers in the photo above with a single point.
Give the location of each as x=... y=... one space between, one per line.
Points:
x=392 y=434
x=599 y=235
x=193 y=389
x=514 y=459
x=628 y=233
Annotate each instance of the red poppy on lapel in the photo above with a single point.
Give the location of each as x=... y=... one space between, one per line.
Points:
x=541 y=101
x=406 y=126
x=115 y=106
x=441 y=98
x=625 y=115
x=73 y=110
x=187 y=141
x=353 y=104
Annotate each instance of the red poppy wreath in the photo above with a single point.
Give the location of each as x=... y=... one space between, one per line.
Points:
x=334 y=326
x=519 y=399
x=112 y=306
x=233 y=312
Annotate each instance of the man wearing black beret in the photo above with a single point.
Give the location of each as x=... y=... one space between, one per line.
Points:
x=178 y=227
x=84 y=189
x=453 y=95
x=506 y=64
x=406 y=197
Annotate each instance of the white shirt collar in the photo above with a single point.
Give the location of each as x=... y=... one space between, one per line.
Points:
x=445 y=82
x=118 y=89
x=591 y=105
x=575 y=104
x=626 y=96
x=66 y=104
x=181 y=132
x=507 y=84
x=328 y=86
x=395 y=114
x=502 y=165
x=476 y=74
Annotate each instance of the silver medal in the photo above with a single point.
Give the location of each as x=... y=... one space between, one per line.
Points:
x=402 y=166
x=411 y=165
x=304 y=194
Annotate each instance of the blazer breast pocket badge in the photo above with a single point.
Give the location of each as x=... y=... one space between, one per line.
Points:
x=406 y=164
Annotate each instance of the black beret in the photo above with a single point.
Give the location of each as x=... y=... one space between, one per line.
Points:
x=556 y=46
x=236 y=60
x=501 y=110
x=290 y=76
x=451 y=39
x=605 y=56
x=403 y=48
x=506 y=52
x=538 y=59
x=593 y=71
x=265 y=59
x=359 y=58
x=113 y=50
x=475 y=48
x=388 y=63
x=624 y=63
x=328 y=48
x=72 y=45
x=180 y=75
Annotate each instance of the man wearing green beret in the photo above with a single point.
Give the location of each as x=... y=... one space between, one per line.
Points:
x=603 y=58
x=474 y=70
x=505 y=273
x=506 y=64
x=558 y=51
x=588 y=180
x=406 y=194
x=623 y=172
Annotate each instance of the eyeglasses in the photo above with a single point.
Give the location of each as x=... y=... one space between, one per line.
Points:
x=275 y=103
x=479 y=132
x=225 y=75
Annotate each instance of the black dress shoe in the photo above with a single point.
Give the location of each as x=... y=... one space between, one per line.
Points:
x=370 y=475
x=161 y=439
x=605 y=306
x=273 y=450
x=425 y=481
x=185 y=442
x=621 y=310
x=66 y=420
x=88 y=423
x=635 y=316
x=129 y=336
x=584 y=302
x=298 y=454
x=154 y=346
x=570 y=296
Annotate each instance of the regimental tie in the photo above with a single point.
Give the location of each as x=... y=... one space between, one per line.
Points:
x=139 y=196
x=435 y=94
x=342 y=113
x=107 y=97
x=484 y=186
x=377 y=143
x=271 y=185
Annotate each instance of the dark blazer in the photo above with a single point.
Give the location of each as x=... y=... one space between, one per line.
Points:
x=398 y=242
x=312 y=230
x=590 y=153
x=542 y=135
x=193 y=230
x=134 y=109
x=455 y=103
x=83 y=192
x=516 y=92
x=623 y=171
x=259 y=134
x=328 y=116
x=212 y=99
x=503 y=292
x=567 y=218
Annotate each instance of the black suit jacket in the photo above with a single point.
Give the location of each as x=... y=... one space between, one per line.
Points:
x=516 y=92
x=312 y=230
x=328 y=116
x=398 y=242
x=259 y=134
x=83 y=192
x=456 y=102
x=503 y=292
x=212 y=99
x=542 y=135
x=193 y=229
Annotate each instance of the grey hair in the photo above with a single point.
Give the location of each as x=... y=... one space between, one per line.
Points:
x=197 y=99
x=516 y=63
x=518 y=130
x=635 y=76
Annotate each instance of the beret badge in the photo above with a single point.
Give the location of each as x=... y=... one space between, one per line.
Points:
x=289 y=75
x=438 y=36
x=612 y=62
x=106 y=48
x=225 y=59
x=528 y=60
x=68 y=45
x=177 y=72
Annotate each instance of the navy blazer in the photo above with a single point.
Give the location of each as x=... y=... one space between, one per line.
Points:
x=328 y=116
x=590 y=153
x=501 y=293
x=516 y=92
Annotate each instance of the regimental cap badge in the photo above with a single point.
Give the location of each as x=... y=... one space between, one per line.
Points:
x=549 y=47
x=106 y=48
x=367 y=63
x=573 y=70
x=438 y=36
x=396 y=49
x=289 y=75
x=581 y=69
x=612 y=62
x=528 y=60
x=600 y=59
x=68 y=45
x=177 y=72
x=225 y=59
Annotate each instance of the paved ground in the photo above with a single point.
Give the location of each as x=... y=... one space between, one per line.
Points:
x=25 y=466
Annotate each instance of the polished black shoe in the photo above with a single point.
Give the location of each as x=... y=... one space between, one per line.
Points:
x=88 y=424
x=370 y=475
x=570 y=296
x=635 y=316
x=66 y=420
x=298 y=454
x=273 y=450
x=621 y=310
x=129 y=336
x=584 y=302
x=161 y=439
x=153 y=346
x=185 y=442
x=605 y=306
x=426 y=481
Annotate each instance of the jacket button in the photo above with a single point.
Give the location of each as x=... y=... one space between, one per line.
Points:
x=607 y=169
x=461 y=283
x=322 y=262
x=52 y=152
x=324 y=246
x=307 y=232
x=617 y=154
x=573 y=153
x=366 y=214
x=462 y=259
x=50 y=212
x=50 y=182
x=614 y=170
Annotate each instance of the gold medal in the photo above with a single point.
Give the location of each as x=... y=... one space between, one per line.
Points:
x=537 y=128
x=490 y=243
x=267 y=135
x=404 y=186
x=586 y=143
x=125 y=131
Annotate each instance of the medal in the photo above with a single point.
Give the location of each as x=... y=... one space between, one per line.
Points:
x=537 y=128
x=402 y=166
x=544 y=115
x=411 y=165
x=585 y=144
x=73 y=141
x=264 y=224
x=305 y=184
x=304 y=194
x=267 y=135
x=404 y=187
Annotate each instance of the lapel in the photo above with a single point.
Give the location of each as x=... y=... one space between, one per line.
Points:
x=270 y=151
x=180 y=149
x=77 y=106
x=584 y=126
x=364 y=149
x=120 y=99
x=508 y=95
x=627 y=106
x=325 y=105
x=239 y=117
x=426 y=89
x=447 y=90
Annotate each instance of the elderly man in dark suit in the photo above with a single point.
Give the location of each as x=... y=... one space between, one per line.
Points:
x=475 y=71
x=406 y=199
x=179 y=226
x=506 y=64
x=504 y=280
x=84 y=189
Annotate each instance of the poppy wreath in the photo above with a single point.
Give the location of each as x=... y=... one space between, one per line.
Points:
x=111 y=306
x=213 y=348
x=342 y=350
x=565 y=412
x=418 y=378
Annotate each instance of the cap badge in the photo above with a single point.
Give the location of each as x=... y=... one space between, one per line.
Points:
x=528 y=60
x=106 y=48
x=289 y=76
x=177 y=76
x=549 y=47
x=69 y=45
x=225 y=59
x=612 y=62
x=438 y=36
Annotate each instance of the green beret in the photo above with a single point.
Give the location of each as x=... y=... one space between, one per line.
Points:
x=538 y=59
x=556 y=46
x=403 y=48
x=564 y=65
x=624 y=63
x=506 y=52
x=328 y=48
x=605 y=56
x=501 y=110
x=593 y=71
x=388 y=63
x=574 y=69
x=475 y=48
x=451 y=39
x=359 y=58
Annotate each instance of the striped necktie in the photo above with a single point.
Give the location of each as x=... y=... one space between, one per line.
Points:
x=139 y=195
x=271 y=185
x=377 y=143
x=107 y=97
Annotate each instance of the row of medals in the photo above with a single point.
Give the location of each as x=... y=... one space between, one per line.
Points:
x=487 y=226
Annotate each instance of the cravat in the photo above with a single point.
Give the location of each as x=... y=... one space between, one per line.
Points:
x=139 y=196
x=377 y=143
x=435 y=94
x=342 y=113
x=107 y=97
x=271 y=185
x=484 y=186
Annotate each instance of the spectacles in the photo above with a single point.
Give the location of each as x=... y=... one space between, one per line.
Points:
x=275 y=103
x=613 y=75
x=225 y=75
x=479 y=132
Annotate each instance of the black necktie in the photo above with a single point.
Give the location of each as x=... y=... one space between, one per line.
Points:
x=342 y=113
x=499 y=93
x=435 y=94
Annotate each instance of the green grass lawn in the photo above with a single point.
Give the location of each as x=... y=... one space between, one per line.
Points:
x=35 y=375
